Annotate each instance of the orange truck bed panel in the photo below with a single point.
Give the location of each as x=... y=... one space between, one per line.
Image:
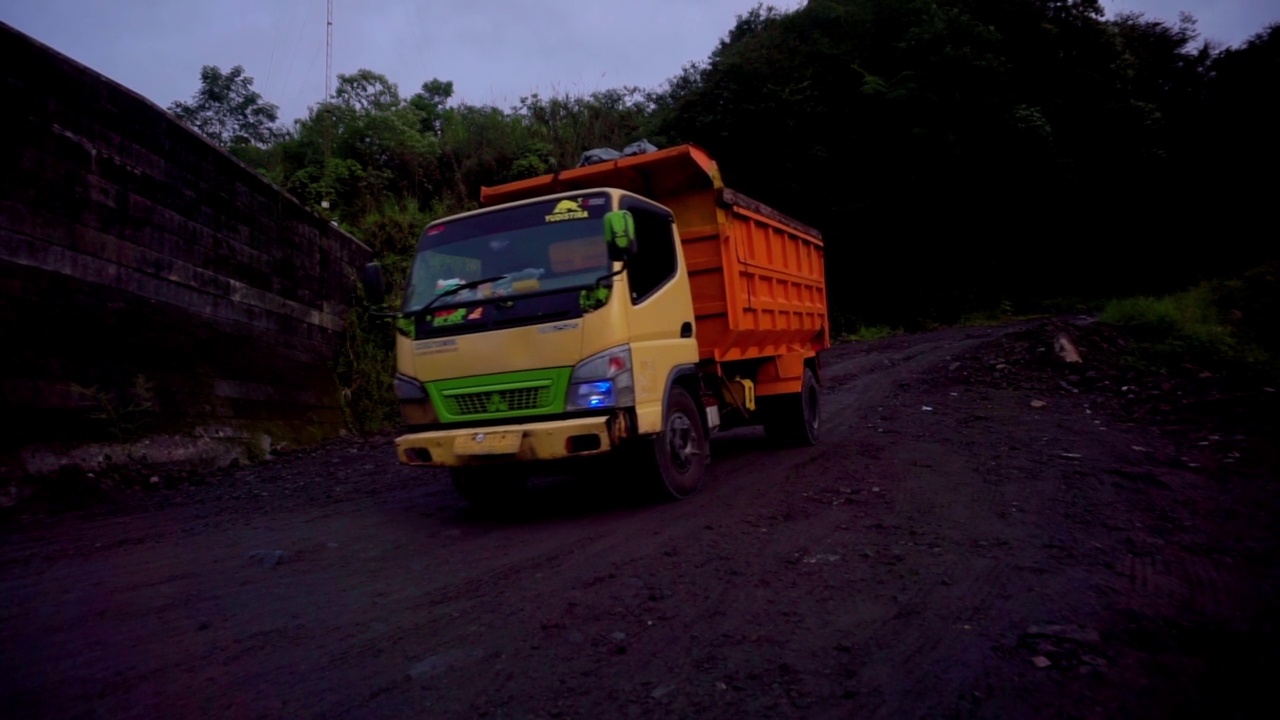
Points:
x=758 y=278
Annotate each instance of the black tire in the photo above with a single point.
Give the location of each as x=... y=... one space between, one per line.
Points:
x=795 y=420
x=489 y=486
x=680 y=451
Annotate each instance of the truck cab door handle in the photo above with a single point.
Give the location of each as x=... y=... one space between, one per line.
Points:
x=686 y=330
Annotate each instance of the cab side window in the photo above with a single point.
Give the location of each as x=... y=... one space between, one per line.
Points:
x=655 y=263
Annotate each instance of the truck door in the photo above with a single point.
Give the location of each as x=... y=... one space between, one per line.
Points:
x=661 y=309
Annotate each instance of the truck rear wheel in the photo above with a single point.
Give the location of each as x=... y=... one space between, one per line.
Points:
x=680 y=450
x=794 y=419
x=489 y=486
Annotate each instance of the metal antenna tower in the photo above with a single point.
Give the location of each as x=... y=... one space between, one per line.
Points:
x=328 y=52
x=328 y=91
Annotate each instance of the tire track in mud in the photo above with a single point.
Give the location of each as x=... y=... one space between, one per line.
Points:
x=751 y=488
x=738 y=475
x=887 y=572
x=862 y=383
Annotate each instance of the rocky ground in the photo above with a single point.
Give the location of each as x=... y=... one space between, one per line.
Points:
x=985 y=531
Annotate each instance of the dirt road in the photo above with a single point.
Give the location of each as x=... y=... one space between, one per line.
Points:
x=947 y=551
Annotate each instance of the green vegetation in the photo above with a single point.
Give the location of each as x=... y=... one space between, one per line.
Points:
x=1229 y=327
x=227 y=110
x=125 y=415
x=866 y=333
x=365 y=372
x=962 y=157
x=1190 y=315
x=1002 y=314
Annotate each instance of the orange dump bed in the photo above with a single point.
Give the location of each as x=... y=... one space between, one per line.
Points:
x=757 y=276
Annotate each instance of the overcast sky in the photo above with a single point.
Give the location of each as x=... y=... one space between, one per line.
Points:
x=493 y=50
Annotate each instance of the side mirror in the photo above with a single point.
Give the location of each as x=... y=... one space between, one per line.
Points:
x=375 y=290
x=620 y=234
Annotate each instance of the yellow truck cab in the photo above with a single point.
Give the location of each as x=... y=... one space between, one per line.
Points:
x=578 y=315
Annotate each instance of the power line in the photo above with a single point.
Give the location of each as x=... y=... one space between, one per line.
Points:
x=278 y=25
x=416 y=22
x=297 y=44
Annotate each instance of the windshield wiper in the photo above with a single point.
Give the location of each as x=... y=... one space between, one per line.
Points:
x=454 y=291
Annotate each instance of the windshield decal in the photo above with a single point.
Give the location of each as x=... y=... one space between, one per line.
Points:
x=568 y=210
x=455 y=316
x=448 y=317
x=494 y=313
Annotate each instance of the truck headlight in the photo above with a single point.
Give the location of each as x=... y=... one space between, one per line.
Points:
x=603 y=380
x=409 y=389
x=415 y=406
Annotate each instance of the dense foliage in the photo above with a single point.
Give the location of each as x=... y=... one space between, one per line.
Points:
x=959 y=155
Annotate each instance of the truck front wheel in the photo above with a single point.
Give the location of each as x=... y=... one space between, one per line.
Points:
x=793 y=419
x=680 y=450
x=489 y=486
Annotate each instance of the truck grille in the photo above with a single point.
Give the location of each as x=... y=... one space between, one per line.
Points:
x=500 y=401
x=517 y=394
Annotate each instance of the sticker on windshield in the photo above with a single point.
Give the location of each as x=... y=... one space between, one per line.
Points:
x=455 y=316
x=568 y=210
x=449 y=317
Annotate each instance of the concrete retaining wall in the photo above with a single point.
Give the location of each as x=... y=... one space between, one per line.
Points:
x=135 y=255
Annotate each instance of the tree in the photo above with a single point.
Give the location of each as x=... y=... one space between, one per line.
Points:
x=361 y=150
x=904 y=122
x=934 y=141
x=430 y=103
x=227 y=110
x=366 y=91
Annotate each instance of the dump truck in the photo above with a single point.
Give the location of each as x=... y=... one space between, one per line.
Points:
x=630 y=307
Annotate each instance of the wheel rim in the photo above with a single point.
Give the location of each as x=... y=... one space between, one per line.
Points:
x=811 y=408
x=681 y=442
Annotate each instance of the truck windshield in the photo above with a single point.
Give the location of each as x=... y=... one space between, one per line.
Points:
x=554 y=245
